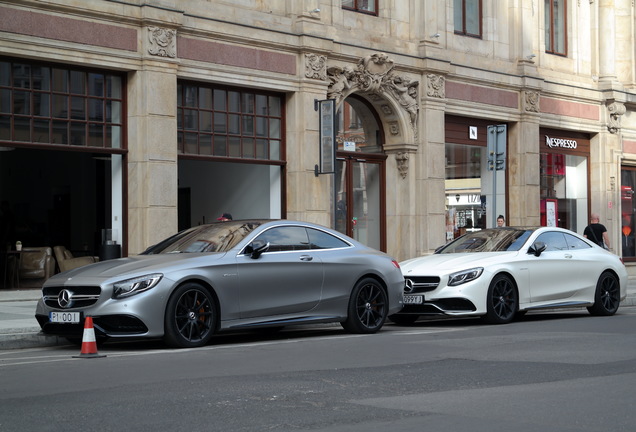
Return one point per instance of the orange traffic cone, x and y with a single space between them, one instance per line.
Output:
89 344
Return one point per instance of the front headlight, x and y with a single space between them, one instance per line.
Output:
134 286
464 276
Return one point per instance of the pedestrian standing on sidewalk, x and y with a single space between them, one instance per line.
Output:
597 232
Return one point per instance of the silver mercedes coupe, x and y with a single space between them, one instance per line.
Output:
234 275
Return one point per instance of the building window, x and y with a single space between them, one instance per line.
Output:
467 17
628 212
229 123
555 25
364 6
47 104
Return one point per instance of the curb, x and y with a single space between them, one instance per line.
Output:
29 338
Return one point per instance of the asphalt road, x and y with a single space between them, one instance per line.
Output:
549 372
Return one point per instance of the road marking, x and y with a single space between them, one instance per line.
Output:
66 357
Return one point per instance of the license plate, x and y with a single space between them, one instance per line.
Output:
413 299
64 317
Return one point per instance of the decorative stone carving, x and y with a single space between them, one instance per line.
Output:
374 75
616 110
316 66
531 101
386 109
402 159
435 87
394 128
340 80
163 42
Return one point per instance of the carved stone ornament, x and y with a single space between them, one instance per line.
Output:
394 128
374 74
402 159
531 101
316 66
435 86
163 42
386 109
616 110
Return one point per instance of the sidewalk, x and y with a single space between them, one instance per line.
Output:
20 329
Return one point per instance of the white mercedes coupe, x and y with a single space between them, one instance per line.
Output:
499 273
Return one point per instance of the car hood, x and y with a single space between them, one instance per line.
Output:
453 262
138 265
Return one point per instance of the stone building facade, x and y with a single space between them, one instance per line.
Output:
209 106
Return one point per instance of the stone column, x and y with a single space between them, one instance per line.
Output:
430 170
308 196
607 40
152 157
523 165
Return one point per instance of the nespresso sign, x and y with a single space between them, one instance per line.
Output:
560 143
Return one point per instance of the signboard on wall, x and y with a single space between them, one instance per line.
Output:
327 112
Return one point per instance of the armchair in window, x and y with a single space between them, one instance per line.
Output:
36 263
66 261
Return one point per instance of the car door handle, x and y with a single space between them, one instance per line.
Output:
568 256
306 258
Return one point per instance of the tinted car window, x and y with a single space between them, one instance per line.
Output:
575 242
287 238
555 241
218 237
323 240
489 240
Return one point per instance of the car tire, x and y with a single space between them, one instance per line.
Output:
403 319
368 309
190 318
502 300
607 296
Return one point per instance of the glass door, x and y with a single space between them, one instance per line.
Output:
359 199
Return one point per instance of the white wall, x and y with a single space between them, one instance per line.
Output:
246 191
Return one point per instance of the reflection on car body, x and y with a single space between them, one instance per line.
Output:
502 272
225 276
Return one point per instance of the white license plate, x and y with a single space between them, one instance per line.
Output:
413 299
64 317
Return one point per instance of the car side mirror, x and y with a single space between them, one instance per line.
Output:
537 248
256 249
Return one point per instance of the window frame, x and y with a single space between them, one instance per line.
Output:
357 8
464 31
105 106
190 109
550 37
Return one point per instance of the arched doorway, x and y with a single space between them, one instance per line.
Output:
360 181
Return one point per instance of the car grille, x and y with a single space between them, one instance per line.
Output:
442 306
121 324
420 284
109 325
79 296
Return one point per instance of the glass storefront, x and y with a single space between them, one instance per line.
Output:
564 180
475 195
628 211
465 204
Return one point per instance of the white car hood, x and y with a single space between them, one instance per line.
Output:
437 263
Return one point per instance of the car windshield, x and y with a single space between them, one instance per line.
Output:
216 237
488 240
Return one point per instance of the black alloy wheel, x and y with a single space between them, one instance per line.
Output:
190 317
607 296
502 300
367 309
